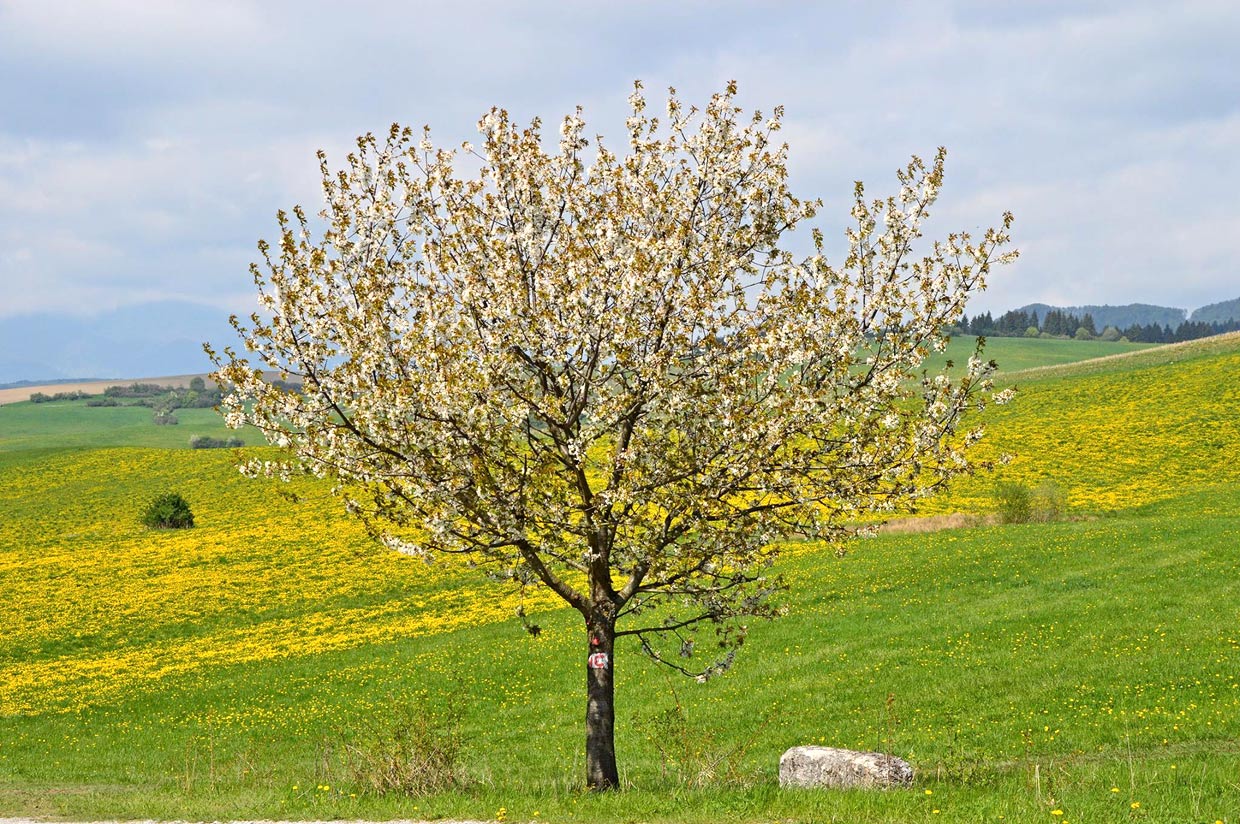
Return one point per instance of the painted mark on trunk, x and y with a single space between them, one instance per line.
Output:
597 660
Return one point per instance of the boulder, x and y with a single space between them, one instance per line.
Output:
832 767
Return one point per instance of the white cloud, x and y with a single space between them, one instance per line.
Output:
128 31
150 144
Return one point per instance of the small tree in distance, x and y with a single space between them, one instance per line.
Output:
603 374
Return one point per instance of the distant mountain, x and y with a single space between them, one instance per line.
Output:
1218 312
1121 317
163 338
47 382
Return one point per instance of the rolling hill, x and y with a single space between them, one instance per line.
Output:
1086 666
1217 312
1121 317
1142 314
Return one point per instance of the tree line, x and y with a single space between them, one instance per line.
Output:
1060 324
43 397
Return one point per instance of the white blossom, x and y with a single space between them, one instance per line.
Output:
606 373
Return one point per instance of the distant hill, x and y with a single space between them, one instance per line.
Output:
1218 312
163 338
35 385
1121 317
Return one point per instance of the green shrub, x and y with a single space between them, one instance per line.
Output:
1018 504
168 511
1047 502
42 397
136 390
207 442
1013 502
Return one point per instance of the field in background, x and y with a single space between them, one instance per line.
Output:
72 424
1016 354
1087 666
16 394
1117 432
57 424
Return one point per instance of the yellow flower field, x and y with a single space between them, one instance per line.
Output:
95 605
1118 440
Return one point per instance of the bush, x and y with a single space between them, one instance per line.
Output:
137 390
165 419
1047 502
207 442
202 400
168 511
103 402
417 754
1013 502
1018 504
42 397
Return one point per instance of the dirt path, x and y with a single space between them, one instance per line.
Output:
153 821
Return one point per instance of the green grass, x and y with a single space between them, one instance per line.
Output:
61 424
1051 657
1016 354
1085 666
1138 357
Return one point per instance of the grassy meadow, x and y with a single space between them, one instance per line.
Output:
1019 354
71 424
1081 670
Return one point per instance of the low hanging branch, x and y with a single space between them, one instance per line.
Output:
600 372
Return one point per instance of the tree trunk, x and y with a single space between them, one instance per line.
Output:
601 771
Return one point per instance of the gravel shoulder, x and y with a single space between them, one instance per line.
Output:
153 821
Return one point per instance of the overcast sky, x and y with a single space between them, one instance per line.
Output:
145 146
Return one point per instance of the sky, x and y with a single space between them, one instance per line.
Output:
145 146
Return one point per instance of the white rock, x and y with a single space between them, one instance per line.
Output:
832 767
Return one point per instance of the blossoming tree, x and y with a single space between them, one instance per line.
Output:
599 371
